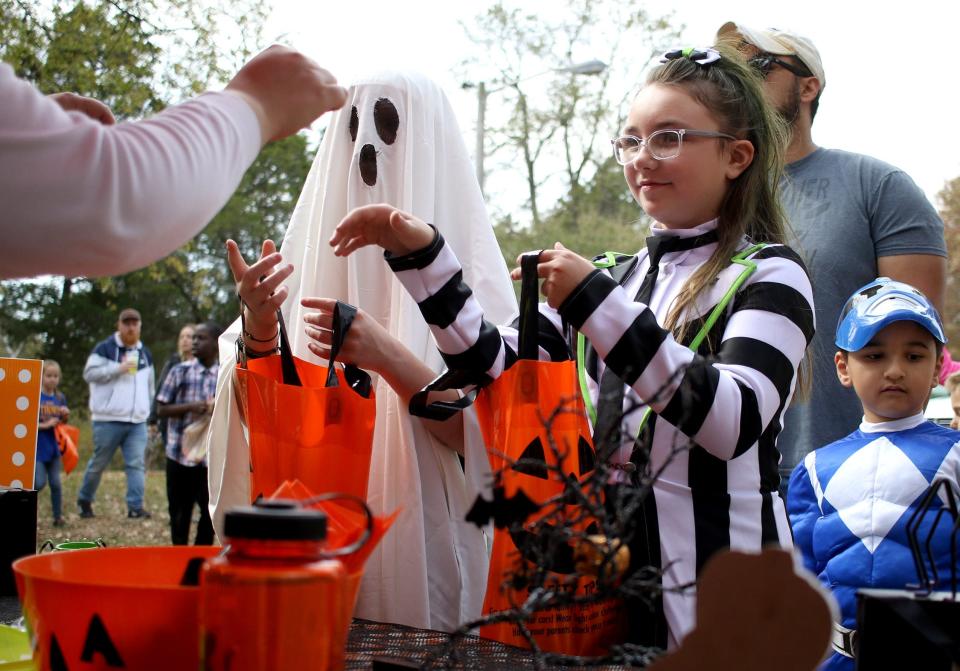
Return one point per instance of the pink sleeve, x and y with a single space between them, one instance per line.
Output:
80 198
949 366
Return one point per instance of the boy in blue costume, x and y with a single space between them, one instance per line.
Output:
849 502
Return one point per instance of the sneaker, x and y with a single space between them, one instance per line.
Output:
138 513
59 521
86 509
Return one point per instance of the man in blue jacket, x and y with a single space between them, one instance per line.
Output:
120 374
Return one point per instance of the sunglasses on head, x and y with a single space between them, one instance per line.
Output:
763 63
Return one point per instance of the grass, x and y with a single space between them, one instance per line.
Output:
111 523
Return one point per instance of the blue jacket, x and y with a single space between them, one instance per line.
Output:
849 504
115 394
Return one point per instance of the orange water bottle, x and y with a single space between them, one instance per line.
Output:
273 600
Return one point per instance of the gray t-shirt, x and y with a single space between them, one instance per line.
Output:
846 211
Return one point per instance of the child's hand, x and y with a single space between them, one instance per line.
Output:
64 412
367 342
397 232
561 270
259 287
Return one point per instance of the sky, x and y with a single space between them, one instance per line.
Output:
891 90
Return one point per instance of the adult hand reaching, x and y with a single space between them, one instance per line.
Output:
287 91
93 108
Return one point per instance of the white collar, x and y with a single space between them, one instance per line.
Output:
893 425
116 337
659 229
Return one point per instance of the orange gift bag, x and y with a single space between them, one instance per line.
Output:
68 440
533 419
307 422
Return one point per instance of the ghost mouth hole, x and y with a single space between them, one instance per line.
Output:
368 164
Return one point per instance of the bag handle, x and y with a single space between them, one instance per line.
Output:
527 345
343 315
368 525
527 348
444 410
356 378
288 368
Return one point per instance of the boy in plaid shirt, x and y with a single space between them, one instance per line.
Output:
186 399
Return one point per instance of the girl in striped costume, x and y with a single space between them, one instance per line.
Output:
702 154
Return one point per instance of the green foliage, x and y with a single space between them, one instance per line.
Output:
599 217
137 55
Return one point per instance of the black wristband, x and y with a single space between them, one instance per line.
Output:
247 334
254 354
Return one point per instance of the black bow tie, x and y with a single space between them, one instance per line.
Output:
610 398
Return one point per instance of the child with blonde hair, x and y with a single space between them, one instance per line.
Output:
53 411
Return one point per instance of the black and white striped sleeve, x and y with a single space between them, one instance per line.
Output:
725 403
434 279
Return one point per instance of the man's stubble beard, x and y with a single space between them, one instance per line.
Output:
789 110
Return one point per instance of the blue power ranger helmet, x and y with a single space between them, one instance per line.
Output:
879 304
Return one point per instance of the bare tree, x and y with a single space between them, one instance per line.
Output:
554 129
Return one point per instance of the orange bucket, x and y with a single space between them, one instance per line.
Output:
113 607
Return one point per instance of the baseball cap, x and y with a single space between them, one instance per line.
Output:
779 43
880 303
129 314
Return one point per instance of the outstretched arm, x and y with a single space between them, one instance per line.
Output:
368 345
119 196
383 225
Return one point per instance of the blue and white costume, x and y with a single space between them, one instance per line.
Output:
849 504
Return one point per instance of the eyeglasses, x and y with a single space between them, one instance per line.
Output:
763 63
661 145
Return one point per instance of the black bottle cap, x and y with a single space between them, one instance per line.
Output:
275 519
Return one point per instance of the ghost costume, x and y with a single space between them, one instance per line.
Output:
395 141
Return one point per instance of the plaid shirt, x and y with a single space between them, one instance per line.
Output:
187 382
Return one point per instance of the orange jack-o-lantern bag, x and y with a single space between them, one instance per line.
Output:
68 442
533 417
308 422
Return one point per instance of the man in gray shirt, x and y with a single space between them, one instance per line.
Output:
855 218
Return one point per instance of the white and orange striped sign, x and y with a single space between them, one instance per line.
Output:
19 409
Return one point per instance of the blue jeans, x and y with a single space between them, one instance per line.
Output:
49 471
132 441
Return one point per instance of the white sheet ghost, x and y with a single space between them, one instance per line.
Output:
395 141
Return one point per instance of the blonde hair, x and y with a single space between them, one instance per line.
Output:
47 363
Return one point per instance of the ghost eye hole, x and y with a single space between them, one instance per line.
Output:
354 123
386 119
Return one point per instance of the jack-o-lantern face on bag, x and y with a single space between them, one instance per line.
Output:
533 548
511 414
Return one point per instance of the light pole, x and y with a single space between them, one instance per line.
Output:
592 67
